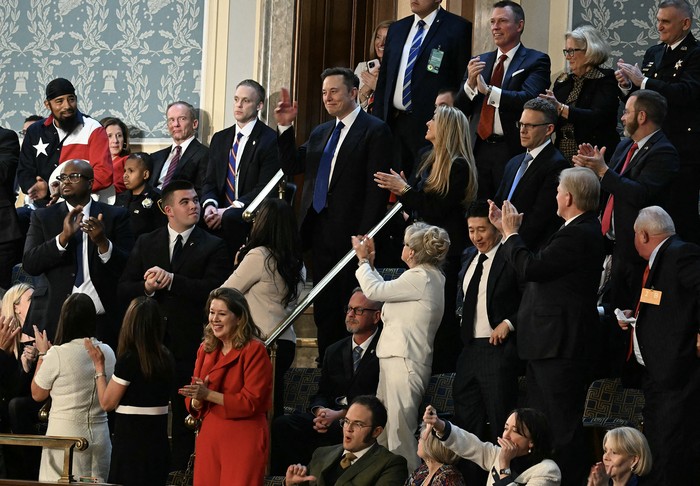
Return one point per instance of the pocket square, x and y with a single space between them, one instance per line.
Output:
516 73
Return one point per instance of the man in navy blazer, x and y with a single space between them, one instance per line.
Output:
439 64
525 75
180 283
349 202
78 228
534 192
558 316
11 235
664 351
485 388
295 436
256 162
194 157
644 181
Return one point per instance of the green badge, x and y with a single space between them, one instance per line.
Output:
435 60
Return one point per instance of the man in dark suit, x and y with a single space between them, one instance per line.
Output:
558 314
485 388
81 246
359 459
672 68
496 86
423 54
347 372
187 158
665 347
11 235
178 265
340 198
242 159
641 172
530 180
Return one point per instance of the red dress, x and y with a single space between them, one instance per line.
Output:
118 173
232 445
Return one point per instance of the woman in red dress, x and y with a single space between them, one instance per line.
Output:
231 392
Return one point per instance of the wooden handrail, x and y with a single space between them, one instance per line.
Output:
65 443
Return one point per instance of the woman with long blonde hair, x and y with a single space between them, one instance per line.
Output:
443 186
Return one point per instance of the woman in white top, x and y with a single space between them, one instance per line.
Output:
413 307
66 373
368 71
269 273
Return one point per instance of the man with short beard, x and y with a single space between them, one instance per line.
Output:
65 135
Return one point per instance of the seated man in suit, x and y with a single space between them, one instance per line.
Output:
485 388
81 246
641 172
496 86
178 265
359 459
558 317
346 373
530 179
242 159
187 158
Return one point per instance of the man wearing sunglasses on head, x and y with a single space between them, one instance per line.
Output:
81 246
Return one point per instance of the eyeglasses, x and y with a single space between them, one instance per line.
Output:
74 177
529 126
351 425
358 311
571 52
22 132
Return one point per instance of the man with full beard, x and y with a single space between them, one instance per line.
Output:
66 134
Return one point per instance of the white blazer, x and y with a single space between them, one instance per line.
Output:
412 311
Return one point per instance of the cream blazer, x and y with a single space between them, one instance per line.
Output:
412 311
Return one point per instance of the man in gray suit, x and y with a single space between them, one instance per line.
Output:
359 459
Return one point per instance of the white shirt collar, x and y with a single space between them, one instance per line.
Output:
185 234
429 19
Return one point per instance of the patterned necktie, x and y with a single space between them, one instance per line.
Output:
488 112
356 357
173 165
347 459
606 222
520 173
177 250
231 172
470 298
324 169
412 55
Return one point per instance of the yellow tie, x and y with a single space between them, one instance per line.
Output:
347 460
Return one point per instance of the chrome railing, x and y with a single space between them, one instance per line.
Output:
318 287
277 180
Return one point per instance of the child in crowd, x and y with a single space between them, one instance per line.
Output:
140 198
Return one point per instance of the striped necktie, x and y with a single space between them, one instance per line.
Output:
231 171
412 55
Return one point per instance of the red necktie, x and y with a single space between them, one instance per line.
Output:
488 112
636 312
606 222
173 165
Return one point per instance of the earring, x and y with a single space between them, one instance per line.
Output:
529 450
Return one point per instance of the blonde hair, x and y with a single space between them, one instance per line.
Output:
452 141
588 37
429 243
236 303
632 442
12 297
434 449
384 24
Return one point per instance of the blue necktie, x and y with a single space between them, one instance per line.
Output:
519 174
324 169
356 357
412 55
79 267
231 172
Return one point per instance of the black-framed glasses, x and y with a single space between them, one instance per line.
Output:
358 311
351 425
529 126
73 178
22 132
571 52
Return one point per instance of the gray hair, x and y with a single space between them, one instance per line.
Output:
588 37
583 185
655 221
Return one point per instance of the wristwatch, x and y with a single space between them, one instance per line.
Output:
505 471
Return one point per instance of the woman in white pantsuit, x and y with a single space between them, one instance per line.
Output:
413 307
